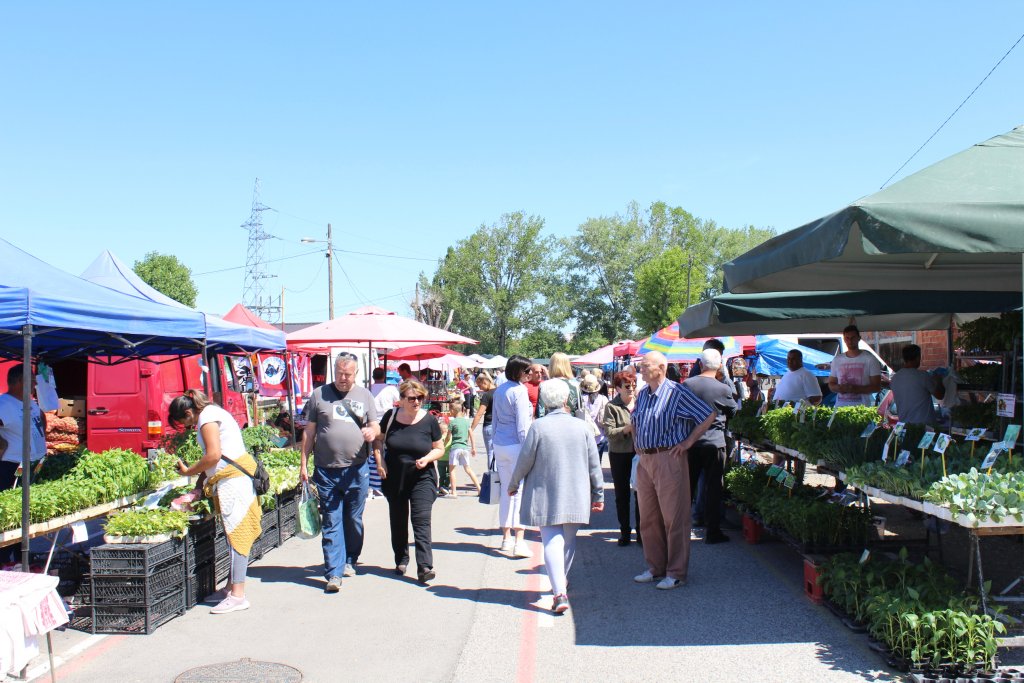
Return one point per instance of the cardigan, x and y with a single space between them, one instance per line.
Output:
561 472
617 418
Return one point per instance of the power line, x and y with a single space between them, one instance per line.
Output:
274 260
954 111
311 282
407 258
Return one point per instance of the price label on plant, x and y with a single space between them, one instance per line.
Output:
1006 405
773 471
899 428
790 482
885 451
941 443
926 440
782 476
993 454
869 429
1010 437
975 434
79 533
865 556
903 458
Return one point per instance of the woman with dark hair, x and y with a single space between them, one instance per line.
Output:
484 415
227 468
618 427
411 438
512 415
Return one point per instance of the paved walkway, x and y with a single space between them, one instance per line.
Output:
742 617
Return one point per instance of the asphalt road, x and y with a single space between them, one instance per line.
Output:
742 617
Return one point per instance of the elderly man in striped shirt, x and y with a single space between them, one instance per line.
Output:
668 419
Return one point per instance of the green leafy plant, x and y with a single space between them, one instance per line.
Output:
147 523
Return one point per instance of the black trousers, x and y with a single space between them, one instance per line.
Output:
621 465
710 460
414 500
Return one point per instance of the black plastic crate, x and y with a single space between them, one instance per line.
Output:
137 618
139 590
222 568
134 559
270 539
202 529
70 567
200 552
199 584
268 520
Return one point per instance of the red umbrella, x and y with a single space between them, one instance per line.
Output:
423 352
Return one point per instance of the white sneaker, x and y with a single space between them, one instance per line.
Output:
522 550
647 577
348 571
230 604
507 544
668 583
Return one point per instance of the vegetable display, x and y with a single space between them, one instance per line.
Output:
147 523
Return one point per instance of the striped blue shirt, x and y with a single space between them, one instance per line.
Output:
665 417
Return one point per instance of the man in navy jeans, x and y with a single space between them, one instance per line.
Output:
343 421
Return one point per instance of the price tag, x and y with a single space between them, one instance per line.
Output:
801 413
790 482
941 443
1010 438
782 476
885 450
79 533
830 420
869 429
975 434
903 458
1006 405
926 440
774 470
865 556
993 454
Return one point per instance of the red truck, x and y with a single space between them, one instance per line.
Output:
125 405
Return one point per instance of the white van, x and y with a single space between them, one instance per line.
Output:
832 344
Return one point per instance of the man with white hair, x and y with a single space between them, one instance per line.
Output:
708 452
667 421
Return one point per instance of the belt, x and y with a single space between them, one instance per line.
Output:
655 451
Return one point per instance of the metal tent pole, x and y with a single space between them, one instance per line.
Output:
26 441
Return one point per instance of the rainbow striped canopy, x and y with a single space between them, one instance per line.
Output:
681 350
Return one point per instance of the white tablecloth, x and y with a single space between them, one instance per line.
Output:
29 607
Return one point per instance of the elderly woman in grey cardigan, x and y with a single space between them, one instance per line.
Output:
562 483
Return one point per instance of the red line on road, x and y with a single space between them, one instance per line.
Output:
89 655
528 638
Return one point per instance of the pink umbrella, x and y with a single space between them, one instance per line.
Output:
601 356
372 325
422 352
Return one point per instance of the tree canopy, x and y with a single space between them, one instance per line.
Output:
169 276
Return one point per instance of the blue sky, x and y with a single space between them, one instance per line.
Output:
136 127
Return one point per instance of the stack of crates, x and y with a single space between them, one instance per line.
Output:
137 588
270 535
287 512
200 561
221 556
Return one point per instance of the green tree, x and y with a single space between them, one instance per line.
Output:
501 282
169 276
661 290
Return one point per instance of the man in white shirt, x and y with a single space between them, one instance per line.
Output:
11 416
855 375
799 383
385 395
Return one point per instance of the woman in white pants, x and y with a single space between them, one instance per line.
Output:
512 414
562 483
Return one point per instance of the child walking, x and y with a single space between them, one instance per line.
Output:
462 445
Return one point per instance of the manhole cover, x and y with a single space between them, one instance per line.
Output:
242 671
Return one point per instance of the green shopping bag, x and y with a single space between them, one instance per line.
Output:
307 522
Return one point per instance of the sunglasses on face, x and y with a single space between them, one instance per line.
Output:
418 399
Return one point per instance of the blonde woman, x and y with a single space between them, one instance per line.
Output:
484 415
560 368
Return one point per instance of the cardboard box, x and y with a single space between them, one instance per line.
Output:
71 407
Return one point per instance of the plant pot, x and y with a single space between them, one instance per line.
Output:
152 538
811 586
752 530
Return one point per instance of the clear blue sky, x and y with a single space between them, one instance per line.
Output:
136 126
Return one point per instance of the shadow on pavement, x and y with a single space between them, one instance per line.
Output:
300 576
497 596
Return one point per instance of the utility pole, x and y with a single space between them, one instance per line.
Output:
330 274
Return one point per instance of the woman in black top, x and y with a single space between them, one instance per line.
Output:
483 415
412 442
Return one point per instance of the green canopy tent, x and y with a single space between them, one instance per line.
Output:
955 225
808 312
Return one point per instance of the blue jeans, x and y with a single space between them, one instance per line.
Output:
489 444
342 499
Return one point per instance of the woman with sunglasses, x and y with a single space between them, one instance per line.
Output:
618 427
411 440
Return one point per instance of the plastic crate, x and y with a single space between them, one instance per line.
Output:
69 567
200 552
199 584
138 590
269 520
222 568
134 559
204 528
137 618
270 539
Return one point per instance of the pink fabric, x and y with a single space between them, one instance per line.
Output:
374 326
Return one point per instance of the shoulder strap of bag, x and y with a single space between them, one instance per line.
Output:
351 414
239 467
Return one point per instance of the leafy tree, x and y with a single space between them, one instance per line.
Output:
169 276
661 290
500 282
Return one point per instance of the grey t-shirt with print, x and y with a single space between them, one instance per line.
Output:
339 439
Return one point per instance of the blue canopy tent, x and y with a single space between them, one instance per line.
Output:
770 357
49 314
222 336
